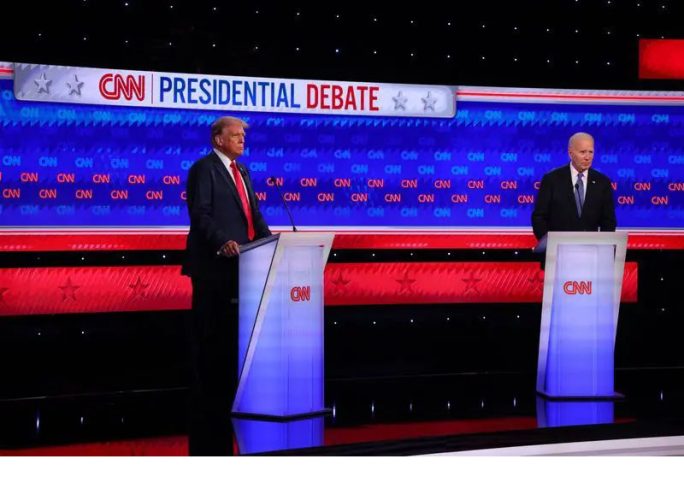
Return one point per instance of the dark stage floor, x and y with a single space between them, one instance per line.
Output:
384 416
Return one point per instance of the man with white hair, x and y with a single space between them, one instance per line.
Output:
573 197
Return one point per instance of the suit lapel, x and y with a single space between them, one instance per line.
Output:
569 189
591 190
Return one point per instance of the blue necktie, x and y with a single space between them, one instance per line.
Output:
579 194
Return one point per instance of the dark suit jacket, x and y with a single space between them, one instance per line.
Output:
555 208
216 216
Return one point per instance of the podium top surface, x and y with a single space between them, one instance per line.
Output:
581 238
292 239
257 243
306 238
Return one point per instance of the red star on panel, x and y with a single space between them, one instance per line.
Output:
340 281
69 290
406 283
138 287
471 283
537 281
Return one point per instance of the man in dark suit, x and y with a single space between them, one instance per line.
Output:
224 214
573 197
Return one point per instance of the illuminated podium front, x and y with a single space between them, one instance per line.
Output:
582 290
280 326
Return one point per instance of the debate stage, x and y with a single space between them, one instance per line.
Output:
405 373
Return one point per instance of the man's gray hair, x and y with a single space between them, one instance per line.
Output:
223 122
577 136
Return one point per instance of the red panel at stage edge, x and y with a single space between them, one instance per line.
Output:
65 290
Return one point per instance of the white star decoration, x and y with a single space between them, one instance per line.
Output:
43 84
428 102
75 86
400 101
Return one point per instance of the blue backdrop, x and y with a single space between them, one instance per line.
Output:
79 165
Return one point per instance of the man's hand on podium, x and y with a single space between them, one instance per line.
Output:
229 249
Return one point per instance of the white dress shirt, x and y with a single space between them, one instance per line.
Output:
226 163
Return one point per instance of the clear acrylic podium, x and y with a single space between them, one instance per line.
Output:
582 289
280 326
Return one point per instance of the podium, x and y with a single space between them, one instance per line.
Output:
582 289
280 326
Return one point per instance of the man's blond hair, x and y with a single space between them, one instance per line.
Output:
223 122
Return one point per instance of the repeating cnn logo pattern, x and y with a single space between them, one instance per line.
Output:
300 294
361 181
113 86
577 287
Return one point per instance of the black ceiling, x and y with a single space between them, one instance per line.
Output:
544 43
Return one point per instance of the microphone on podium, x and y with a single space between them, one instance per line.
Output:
287 209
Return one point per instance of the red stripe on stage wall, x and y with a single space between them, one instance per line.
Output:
93 242
456 241
89 242
444 283
666 240
661 59
65 290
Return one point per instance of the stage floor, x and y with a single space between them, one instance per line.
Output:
490 413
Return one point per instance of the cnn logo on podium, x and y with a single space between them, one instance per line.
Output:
300 293
577 287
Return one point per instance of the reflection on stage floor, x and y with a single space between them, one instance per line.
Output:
384 416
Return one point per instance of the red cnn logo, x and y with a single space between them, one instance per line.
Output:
575 287
300 293
113 86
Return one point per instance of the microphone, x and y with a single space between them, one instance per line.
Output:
287 209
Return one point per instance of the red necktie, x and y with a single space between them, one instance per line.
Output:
243 199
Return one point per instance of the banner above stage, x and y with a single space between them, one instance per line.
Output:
65 84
